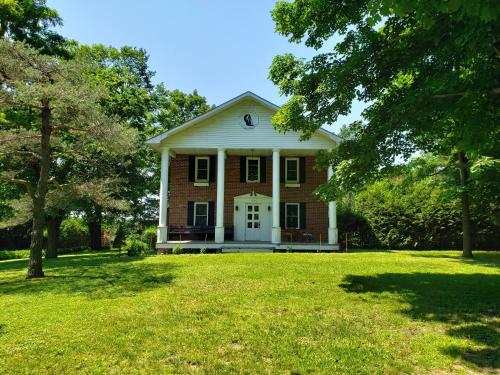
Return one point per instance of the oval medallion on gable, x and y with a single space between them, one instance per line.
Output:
249 120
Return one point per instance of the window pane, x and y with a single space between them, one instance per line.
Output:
256 208
202 163
291 170
202 169
200 221
200 214
249 216
253 170
202 175
249 224
292 216
201 209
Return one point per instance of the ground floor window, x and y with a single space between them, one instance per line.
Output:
292 213
201 214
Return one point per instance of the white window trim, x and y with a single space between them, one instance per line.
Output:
194 213
296 182
258 169
197 181
298 215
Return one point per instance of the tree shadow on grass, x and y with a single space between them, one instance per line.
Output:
64 260
467 303
102 276
489 259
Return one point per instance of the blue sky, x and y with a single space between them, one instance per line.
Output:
219 47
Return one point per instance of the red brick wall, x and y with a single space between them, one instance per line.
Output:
182 191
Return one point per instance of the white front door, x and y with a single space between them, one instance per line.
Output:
253 231
252 217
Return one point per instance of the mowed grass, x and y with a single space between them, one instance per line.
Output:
360 313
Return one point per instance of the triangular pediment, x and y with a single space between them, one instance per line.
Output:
241 123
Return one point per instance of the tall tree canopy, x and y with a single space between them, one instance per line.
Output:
149 108
51 116
31 21
429 71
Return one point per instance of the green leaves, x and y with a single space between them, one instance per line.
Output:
430 73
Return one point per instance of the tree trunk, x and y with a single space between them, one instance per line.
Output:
53 232
35 260
466 221
94 224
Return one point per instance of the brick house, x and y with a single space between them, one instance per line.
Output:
230 180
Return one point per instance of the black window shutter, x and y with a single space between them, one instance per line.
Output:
263 169
282 170
243 169
282 215
213 168
190 213
303 215
192 161
302 170
211 211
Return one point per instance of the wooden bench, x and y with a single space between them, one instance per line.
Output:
188 232
298 235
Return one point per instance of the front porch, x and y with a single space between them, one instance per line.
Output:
246 246
244 211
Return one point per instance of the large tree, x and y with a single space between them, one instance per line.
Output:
31 21
51 114
428 70
133 98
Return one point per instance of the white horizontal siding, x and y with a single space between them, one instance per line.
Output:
224 130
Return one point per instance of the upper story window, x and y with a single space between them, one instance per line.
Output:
202 169
292 170
253 169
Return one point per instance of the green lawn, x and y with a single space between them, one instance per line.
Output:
372 312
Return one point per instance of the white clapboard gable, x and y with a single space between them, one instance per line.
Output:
225 127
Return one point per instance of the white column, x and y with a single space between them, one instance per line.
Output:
333 233
162 225
276 230
219 225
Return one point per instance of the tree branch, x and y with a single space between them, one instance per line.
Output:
23 183
494 91
31 153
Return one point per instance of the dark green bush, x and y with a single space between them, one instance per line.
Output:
120 235
149 236
177 249
134 246
74 233
416 216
